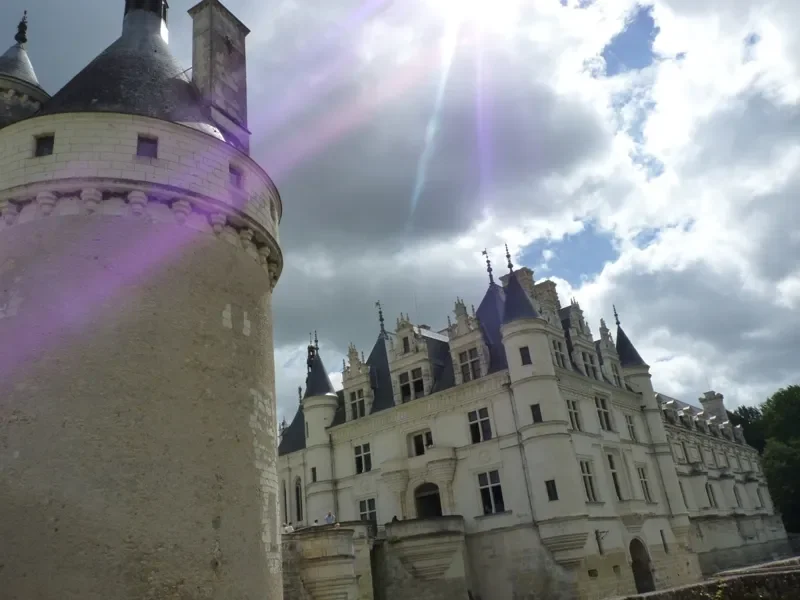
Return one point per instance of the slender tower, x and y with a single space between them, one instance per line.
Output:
138 255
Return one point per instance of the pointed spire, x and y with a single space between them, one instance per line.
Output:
488 266
508 258
517 306
317 382
316 341
344 365
22 29
628 355
299 393
380 318
616 315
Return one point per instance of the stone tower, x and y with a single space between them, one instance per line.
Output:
138 255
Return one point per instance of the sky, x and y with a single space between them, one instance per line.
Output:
639 154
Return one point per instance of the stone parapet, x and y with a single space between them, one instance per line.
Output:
324 562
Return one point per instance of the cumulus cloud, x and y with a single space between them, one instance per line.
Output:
690 164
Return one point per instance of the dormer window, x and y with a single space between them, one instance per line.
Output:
590 365
558 354
406 345
615 374
358 407
411 385
470 365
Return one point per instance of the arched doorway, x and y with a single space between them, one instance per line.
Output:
642 569
428 501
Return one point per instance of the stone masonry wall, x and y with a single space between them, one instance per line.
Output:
731 558
783 585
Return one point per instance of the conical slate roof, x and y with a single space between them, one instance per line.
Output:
318 383
16 63
137 74
518 306
628 355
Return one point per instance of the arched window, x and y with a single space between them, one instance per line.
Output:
298 499
712 499
737 497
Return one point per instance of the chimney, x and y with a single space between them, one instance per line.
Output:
219 68
713 404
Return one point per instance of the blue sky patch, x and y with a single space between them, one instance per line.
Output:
575 257
632 48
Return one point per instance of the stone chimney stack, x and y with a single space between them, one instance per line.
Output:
219 68
712 403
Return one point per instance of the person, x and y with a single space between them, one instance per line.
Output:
395 519
287 528
329 518
316 522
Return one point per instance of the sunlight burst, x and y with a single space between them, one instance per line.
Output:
500 16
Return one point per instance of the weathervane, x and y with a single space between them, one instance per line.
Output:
510 264
380 318
488 266
616 316
22 29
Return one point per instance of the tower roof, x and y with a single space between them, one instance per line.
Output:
317 383
15 61
518 306
137 74
628 355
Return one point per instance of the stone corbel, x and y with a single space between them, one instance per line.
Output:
138 201
246 237
46 201
218 221
10 213
181 208
91 199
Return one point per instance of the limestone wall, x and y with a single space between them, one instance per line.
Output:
781 585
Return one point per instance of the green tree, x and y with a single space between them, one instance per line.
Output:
781 464
781 415
751 420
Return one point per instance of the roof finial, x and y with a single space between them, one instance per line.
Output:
22 29
488 266
316 341
508 257
380 318
300 393
344 366
616 316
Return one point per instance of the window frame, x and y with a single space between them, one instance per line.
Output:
616 375
426 438
711 495
588 479
236 176
497 505
481 423
144 144
363 458
358 406
559 354
313 474
525 356
37 145
574 412
601 404
631 425
590 365
536 413
613 470
367 507
644 482
469 364
552 490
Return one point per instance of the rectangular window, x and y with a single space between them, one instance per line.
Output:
358 408
236 177
683 494
760 498
306 429
417 383
558 354
588 481
147 147
645 484
574 415
313 474
525 355
470 365
44 145
367 511
552 490
412 385
406 345
664 542
603 413
590 365
536 413
421 442
736 496
712 498
615 373
612 468
405 388
480 428
631 428
491 493
363 459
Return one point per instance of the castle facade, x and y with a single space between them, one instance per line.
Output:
513 455
138 254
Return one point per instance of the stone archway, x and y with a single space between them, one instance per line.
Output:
428 501
642 567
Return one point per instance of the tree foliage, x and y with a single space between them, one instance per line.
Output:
781 414
781 464
750 418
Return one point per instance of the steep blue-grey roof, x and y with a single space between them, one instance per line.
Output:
517 305
294 436
317 382
628 355
16 63
490 316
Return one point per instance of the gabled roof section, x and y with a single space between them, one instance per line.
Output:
318 383
517 305
628 355
380 378
294 436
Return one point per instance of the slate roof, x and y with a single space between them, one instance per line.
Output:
517 306
138 75
628 356
16 63
294 436
317 382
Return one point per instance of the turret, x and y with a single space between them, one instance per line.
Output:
635 371
319 406
20 92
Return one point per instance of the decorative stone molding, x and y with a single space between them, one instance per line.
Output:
327 566
566 548
427 547
155 205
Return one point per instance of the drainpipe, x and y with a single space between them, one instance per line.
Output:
524 458
333 479
658 467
